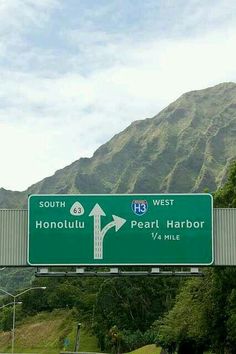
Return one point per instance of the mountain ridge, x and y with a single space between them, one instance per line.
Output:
186 147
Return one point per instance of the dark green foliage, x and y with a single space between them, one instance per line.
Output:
6 317
231 319
186 324
203 316
120 341
132 304
62 293
226 196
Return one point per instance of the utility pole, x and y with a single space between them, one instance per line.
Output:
14 310
77 338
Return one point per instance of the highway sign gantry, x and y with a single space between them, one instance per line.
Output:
150 229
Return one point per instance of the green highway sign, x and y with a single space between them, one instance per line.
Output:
150 229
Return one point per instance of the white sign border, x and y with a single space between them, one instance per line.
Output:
123 264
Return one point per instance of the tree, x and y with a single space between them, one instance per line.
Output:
225 197
131 304
185 327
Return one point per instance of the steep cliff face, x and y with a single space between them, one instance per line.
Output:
187 147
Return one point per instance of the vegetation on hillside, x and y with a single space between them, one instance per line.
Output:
126 308
147 349
48 333
225 197
119 312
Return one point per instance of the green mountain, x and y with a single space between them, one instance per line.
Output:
187 147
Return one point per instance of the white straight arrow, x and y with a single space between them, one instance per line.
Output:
99 234
97 212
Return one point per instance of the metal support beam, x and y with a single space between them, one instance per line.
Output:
116 272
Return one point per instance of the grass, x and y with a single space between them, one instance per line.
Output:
45 334
147 349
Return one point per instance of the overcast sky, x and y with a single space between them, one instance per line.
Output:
75 72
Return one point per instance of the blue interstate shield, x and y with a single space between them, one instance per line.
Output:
139 207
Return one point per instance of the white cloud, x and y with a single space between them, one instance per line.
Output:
23 152
19 18
50 117
17 15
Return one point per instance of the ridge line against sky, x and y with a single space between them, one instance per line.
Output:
76 72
